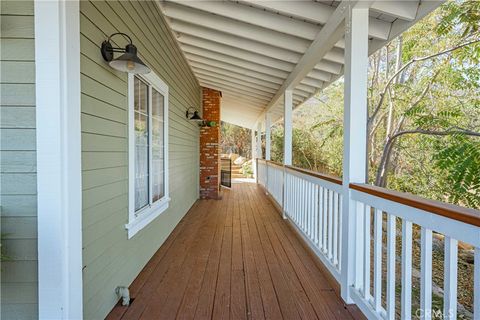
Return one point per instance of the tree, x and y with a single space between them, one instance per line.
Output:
235 139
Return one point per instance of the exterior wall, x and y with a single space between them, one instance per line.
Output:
19 298
210 145
109 258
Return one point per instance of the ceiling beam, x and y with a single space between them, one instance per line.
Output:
184 28
235 93
270 69
243 89
238 73
196 17
248 59
332 31
255 88
254 16
237 52
318 13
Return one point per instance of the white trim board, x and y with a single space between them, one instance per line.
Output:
59 192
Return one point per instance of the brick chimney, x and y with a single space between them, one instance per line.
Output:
210 146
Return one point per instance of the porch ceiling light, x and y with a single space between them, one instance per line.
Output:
128 61
193 115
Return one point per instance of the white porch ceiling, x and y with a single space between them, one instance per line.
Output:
254 50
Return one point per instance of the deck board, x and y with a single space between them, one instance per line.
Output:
233 259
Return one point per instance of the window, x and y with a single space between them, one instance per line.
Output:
148 150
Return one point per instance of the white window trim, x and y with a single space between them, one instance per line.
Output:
137 222
59 177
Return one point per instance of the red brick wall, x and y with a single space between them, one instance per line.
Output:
210 146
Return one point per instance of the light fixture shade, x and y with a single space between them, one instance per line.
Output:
130 62
195 117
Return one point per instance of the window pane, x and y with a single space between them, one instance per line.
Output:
158 160
141 144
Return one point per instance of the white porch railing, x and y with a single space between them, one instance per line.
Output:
313 204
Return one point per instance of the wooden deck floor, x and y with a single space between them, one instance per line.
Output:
235 258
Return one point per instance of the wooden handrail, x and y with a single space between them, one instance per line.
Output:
322 176
275 163
466 215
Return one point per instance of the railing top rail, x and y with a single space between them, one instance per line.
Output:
322 176
275 163
261 160
466 215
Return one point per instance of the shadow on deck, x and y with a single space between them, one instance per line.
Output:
234 258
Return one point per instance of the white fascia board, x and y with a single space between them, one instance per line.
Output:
405 10
318 13
400 26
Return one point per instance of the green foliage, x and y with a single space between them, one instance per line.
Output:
247 168
459 16
460 164
235 139
435 94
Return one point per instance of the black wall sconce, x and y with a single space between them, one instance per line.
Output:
192 115
128 61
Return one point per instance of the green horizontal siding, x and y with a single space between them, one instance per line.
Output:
18 183
109 258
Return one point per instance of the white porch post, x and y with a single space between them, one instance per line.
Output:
287 141
268 143
355 133
259 141
287 125
59 190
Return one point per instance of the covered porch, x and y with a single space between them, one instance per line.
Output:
234 258
119 170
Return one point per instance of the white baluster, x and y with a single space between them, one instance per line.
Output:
325 216
312 211
330 223
309 210
391 255
340 238
450 279
366 259
426 274
359 244
335 229
476 284
377 256
320 218
406 269
316 213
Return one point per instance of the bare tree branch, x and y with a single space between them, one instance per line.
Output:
394 76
